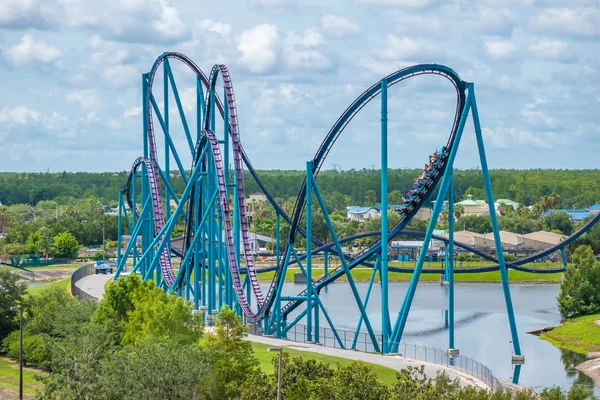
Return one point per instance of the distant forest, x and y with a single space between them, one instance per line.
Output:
575 188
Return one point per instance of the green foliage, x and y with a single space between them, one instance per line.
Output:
229 355
35 348
76 364
581 334
65 245
579 293
516 224
11 294
559 221
52 314
474 223
177 372
136 310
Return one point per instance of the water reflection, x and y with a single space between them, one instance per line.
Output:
481 329
570 360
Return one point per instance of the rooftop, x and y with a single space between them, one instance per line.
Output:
470 202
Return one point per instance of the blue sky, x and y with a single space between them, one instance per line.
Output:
72 70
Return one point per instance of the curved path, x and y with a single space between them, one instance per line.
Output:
94 286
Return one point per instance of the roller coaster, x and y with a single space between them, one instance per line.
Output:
213 265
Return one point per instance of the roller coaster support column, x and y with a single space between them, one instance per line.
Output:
439 202
277 225
383 275
494 220
167 176
120 226
446 280
564 257
309 283
451 349
146 228
344 263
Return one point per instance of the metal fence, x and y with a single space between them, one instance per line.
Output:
77 275
327 337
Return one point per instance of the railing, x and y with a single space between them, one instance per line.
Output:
411 351
76 291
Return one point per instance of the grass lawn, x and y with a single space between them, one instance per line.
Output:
57 266
579 334
9 377
364 274
386 375
64 283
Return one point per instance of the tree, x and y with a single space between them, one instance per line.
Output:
33 242
46 242
76 364
558 221
474 223
579 293
459 210
65 245
11 294
230 356
516 224
178 372
370 198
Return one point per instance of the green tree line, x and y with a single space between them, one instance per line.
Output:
575 188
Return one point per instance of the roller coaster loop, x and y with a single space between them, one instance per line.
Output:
212 263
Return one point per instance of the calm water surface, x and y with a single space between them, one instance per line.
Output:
482 330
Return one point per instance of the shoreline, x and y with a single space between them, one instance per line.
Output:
526 282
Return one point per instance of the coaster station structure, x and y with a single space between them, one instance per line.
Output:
212 265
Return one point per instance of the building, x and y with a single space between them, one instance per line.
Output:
577 215
258 243
360 214
474 207
510 241
357 213
508 202
258 196
546 237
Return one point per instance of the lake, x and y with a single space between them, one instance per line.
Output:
481 329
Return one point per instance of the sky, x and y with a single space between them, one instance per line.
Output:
71 78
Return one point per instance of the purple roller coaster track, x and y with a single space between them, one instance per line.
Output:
215 266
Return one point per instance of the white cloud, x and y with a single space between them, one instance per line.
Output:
269 3
132 112
515 138
24 13
551 49
119 75
259 46
31 51
584 21
405 48
535 116
500 49
338 26
87 98
221 28
398 3
19 115
302 51
168 22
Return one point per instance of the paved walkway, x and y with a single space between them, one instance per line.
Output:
94 284
393 362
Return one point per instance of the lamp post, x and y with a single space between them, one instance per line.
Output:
20 308
280 350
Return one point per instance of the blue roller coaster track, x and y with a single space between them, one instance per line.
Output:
214 264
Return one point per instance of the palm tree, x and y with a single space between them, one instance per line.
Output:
459 210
